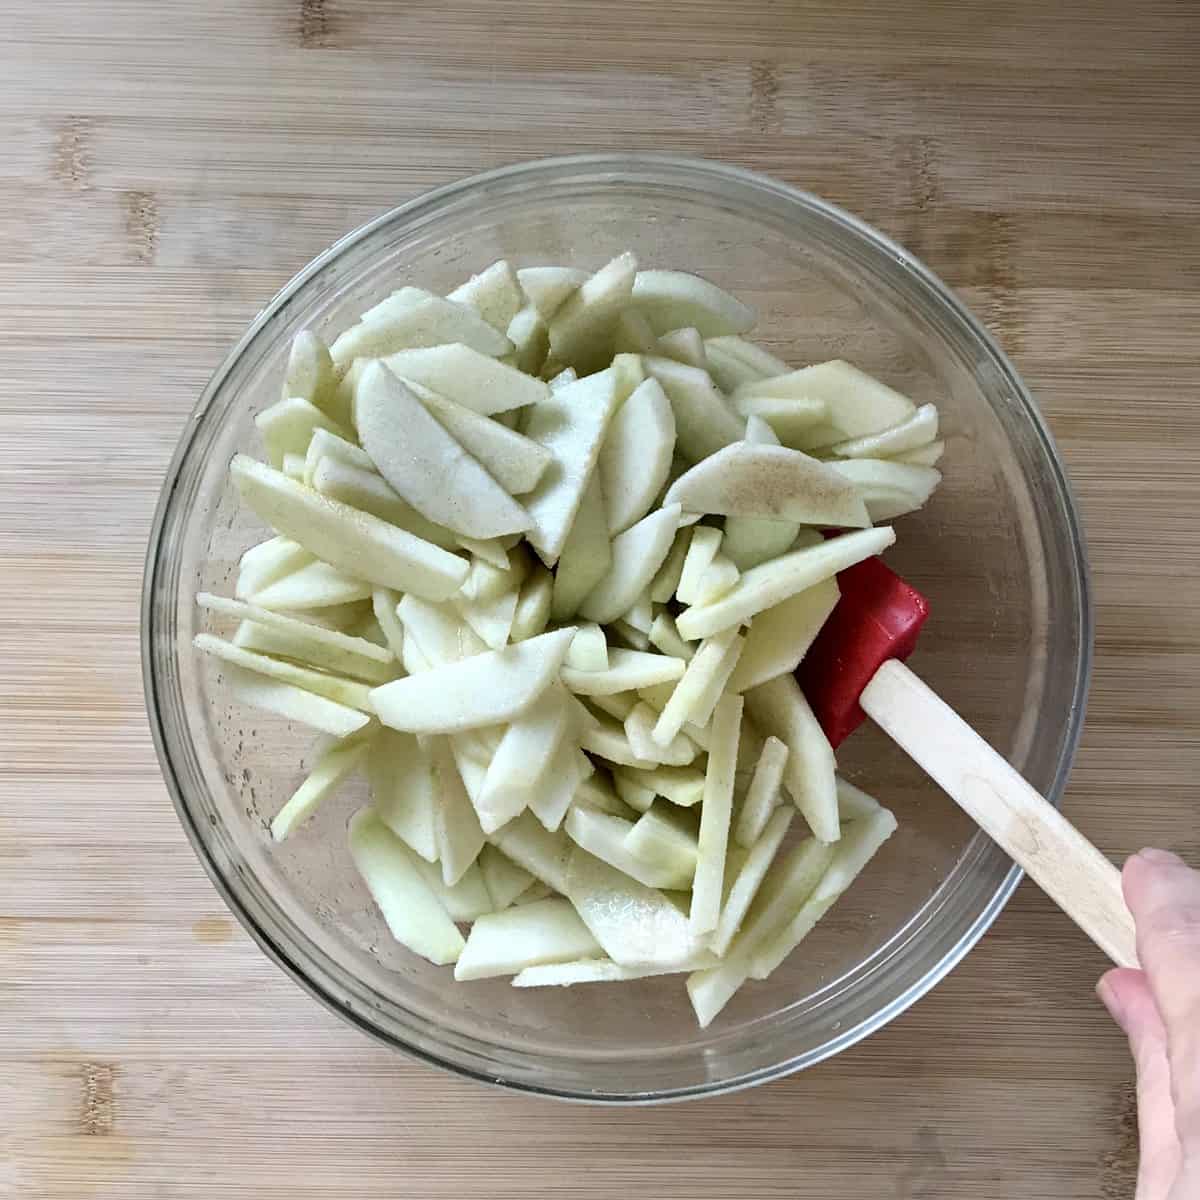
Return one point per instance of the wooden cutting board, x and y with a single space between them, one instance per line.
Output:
166 166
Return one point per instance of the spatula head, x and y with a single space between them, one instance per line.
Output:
878 617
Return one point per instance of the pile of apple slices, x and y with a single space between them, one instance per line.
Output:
547 552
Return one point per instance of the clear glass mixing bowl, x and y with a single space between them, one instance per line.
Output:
998 551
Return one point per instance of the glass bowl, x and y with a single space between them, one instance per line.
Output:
998 551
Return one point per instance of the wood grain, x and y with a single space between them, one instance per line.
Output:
167 166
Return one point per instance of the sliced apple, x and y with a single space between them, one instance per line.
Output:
549 287
315 585
627 671
571 425
533 605
771 583
403 790
467 378
604 836
634 794
636 456
639 730
383 606
586 554
662 587
525 751
674 299
926 456
551 798
600 970
635 336
530 340
309 371
853 803
681 785
911 434
748 878
794 420
429 321
291 702
763 794
589 649
780 709
753 480
534 848
505 943
414 915
861 842
269 561
494 293
704 421
716 814
637 554
702 549
504 880
685 346
666 836
889 489
456 826
356 542
486 689
416 455
581 331
635 924
665 637
441 634
719 578
328 771
608 740
780 637
287 426
326 444
749 354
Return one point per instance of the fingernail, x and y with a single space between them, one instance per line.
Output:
1162 858
1108 997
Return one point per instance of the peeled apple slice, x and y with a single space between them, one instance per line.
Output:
291 702
627 671
430 321
403 790
605 837
287 426
926 456
635 459
779 638
314 585
889 489
753 357
329 770
426 465
637 555
356 542
504 880
763 794
548 287
486 689
309 371
599 970
504 943
268 562
581 331
465 377
413 913
704 422
325 444
748 878
456 826
494 293
674 299
716 814
535 849
568 769
438 632
636 925
586 554
685 346
754 480
571 425
918 430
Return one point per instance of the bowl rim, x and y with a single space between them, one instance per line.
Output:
616 163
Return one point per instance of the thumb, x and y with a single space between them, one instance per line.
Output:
1126 994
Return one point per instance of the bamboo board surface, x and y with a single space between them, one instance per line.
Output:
166 166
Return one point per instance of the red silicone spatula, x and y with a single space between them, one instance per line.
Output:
854 669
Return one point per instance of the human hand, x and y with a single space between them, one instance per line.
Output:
1159 1010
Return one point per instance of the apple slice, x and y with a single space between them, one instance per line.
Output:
719 578
467 378
309 371
634 794
889 489
609 740
683 786
525 751
383 606
286 427
771 583
911 434
315 585
763 794
667 836
328 771
586 554
685 346
600 970
293 466
533 605
753 480
349 692
549 287
639 732
530 339
571 425
326 444
627 671
662 587
859 845
786 887
635 459
430 321
697 681
486 689
467 900
702 549
513 461
403 790
637 555
426 465
780 709
716 814
456 828
635 336
853 803
441 635
751 356
926 456
551 798
780 637
674 299
359 544
495 294
748 879
794 420
291 702
589 649
505 943
635 924
269 561
704 422
504 880
324 648
535 849
604 836
491 619
665 637
581 331
414 915
857 404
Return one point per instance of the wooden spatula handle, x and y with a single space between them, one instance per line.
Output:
1072 872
